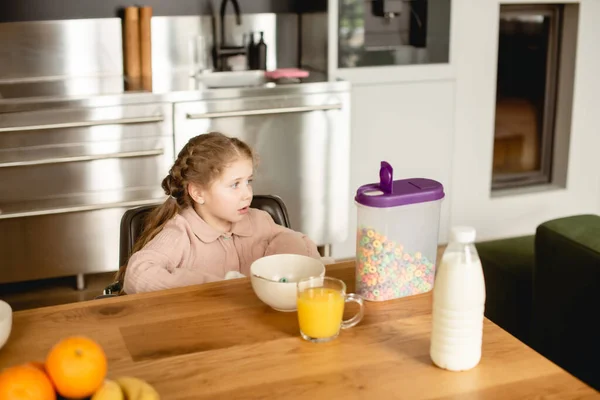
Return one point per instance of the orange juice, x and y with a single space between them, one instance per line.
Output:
320 312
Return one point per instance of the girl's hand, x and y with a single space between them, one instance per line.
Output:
234 275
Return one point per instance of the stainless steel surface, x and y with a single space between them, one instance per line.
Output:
266 111
39 183
60 160
171 38
78 149
52 244
64 189
171 42
69 48
231 79
169 88
179 87
94 117
82 58
151 145
56 245
304 154
65 87
90 206
70 212
81 124
270 24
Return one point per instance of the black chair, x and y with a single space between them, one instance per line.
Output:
132 224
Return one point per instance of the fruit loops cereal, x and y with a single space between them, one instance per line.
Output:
385 271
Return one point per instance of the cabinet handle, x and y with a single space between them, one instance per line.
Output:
266 111
83 124
60 160
81 208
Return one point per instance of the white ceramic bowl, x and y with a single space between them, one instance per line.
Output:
5 322
274 278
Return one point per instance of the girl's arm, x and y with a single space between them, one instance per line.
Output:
287 241
159 266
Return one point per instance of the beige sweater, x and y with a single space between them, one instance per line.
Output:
188 251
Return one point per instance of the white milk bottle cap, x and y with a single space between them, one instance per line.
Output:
463 234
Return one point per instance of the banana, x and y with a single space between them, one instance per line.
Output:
137 389
109 390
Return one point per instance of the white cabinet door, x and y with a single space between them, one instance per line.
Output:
303 146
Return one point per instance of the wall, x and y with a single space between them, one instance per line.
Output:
475 64
438 121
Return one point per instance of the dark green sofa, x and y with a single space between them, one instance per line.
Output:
545 290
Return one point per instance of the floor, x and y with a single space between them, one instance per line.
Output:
50 292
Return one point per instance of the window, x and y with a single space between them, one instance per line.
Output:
532 47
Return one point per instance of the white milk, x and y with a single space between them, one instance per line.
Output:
458 305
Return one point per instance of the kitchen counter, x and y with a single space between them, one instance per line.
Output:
76 153
172 87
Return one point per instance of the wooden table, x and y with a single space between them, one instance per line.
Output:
218 341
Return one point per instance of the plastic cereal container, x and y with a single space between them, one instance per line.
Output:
397 236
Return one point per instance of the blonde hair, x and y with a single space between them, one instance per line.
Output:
201 161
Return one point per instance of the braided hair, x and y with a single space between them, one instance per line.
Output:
201 161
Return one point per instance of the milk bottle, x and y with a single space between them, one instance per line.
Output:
458 304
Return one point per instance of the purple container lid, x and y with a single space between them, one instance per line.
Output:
391 193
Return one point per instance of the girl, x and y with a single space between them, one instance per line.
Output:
206 229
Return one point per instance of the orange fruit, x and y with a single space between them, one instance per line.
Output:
77 366
37 364
25 382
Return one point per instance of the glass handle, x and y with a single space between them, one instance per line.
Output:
361 311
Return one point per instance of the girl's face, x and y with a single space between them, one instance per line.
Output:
227 199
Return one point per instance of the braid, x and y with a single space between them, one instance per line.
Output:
175 184
201 161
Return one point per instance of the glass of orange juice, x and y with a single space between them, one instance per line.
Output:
321 303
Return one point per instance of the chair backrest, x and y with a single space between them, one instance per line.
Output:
132 222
